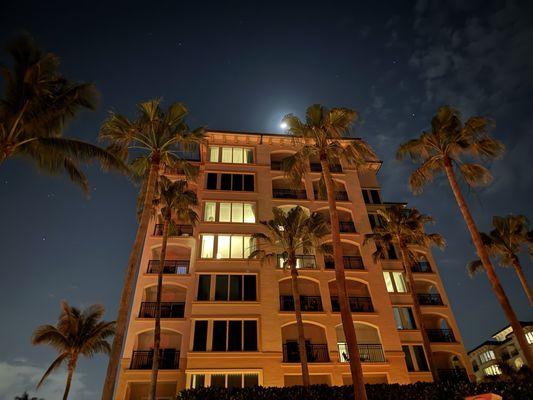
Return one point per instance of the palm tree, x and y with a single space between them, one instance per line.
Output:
176 201
320 137
36 104
26 396
290 233
443 150
405 227
156 138
76 333
505 241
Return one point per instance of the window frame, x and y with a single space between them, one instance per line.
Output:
215 248
213 284
218 208
232 181
392 279
210 329
220 148
207 374
402 316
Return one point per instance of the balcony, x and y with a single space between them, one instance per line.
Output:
347 227
174 267
349 262
429 299
275 165
357 304
315 353
307 303
177 230
168 359
367 353
452 374
302 261
334 168
289 194
421 266
340 195
168 309
441 335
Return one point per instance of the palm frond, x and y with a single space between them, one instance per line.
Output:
474 267
55 364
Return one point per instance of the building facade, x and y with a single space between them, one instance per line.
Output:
229 321
502 348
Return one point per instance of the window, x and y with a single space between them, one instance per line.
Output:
395 282
375 220
197 381
235 155
408 359
234 182
225 380
404 318
492 370
233 287
204 286
234 336
529 337
419 357
200 336
487 356
226 246
210 210
371 196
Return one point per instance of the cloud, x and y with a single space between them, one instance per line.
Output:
17 378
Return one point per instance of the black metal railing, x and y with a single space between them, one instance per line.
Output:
168 359
289 194
175 267
347 226
429 299
357 304
452 374
340 195
307 303
421 266
367 353
440 335
317 167
350 262
176 230
168 309
307 261
315 353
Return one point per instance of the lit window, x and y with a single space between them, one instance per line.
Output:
223 250
236 212
198 381
235 155
388 282
213 154
238 155
208 244
210 211
227 156
225 380
529 337
492 370
395 282
237 246
487 356
227 246
249 213
225 212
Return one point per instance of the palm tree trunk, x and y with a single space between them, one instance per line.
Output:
71 367
340 277
299 322
127 288
489 268
418 313
157 330
523 280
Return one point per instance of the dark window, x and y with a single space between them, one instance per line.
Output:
420 358
250 336
237 182
251 380
219 336
225 182
211 181
204 284
375 196
372 219
200 336
235 288
235 336
218 380
249 183
408 359
391 253
249 288
365 197
221 288
199 381
234 380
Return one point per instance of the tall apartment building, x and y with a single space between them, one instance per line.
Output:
501 348
229 320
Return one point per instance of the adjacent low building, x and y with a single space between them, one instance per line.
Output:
502 348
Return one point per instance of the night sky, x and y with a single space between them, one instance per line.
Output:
242 66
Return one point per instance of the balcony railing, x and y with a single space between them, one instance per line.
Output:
317 167
168 309
421 266
315 353
357 304
177 230
452 374
440 335
307 261
340 195
289 194
429 299
350 262
307 303
367 352
347 226
175 267
168 359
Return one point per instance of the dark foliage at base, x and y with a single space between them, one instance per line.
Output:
514 390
